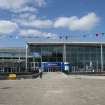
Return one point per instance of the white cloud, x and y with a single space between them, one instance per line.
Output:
26 17
32 21
29 32
12 4
7 27
25 9
39 23
42 23
40 3
21 5
74 23
33 32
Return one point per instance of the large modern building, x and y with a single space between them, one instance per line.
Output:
80 56
54 55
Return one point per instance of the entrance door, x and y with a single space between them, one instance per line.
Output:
50 69
52 66
53 69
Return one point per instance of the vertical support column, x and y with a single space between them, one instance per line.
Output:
34 65
97 56
41 57
64 52
26 55
97 65
19 63
101 57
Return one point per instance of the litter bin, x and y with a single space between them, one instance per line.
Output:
12 77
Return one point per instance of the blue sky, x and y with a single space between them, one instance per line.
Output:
21 19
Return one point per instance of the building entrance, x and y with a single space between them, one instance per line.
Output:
47 66
52 69
52 66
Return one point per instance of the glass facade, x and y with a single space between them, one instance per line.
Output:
44 53
85 58
12 60
47 53
82 58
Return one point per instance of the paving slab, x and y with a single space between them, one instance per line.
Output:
53 89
